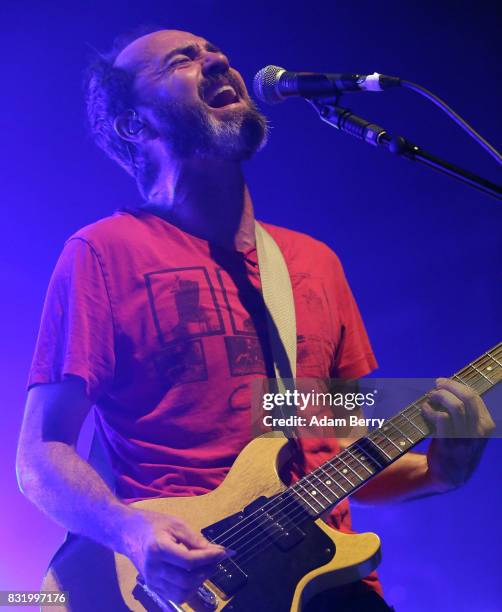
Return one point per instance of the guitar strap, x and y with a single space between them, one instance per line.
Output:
278 297
281 324
281 318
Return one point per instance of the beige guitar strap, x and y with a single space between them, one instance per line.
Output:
281 319
278 298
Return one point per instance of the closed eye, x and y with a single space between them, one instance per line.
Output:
178 60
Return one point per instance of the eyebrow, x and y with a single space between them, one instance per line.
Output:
191 48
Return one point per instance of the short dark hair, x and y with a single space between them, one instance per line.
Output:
108 93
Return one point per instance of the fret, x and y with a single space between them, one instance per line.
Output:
304 502
494 358
460 379
345 469
355 464
412 423
310 489
374 443
494 371
333 481
311 497
329 481
380 432
480 372
390 422
359 460
290 504
400 444
477 381
491 372
417 417
334 468
369 454
342 473
406 426
313 474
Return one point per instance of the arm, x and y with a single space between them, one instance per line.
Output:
64 486
50 472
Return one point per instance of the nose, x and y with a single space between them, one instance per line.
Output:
215 62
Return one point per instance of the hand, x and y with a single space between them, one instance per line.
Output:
461 426
172 559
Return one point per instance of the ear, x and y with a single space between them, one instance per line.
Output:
129 126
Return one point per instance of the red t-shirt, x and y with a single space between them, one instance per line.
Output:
167 331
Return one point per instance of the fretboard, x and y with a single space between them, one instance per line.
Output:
343 474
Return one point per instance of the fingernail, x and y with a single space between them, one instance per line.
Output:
230 552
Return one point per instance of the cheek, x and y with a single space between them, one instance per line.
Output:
180 85
240 80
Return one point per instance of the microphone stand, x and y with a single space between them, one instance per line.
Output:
344 120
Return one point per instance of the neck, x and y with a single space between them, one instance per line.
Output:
340 476
207 198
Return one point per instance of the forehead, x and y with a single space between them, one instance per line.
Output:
151 48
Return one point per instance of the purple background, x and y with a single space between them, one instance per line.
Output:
423 254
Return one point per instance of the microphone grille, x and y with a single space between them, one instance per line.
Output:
264 84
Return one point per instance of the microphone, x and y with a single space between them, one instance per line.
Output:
273 84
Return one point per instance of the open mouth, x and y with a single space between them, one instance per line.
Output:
223 96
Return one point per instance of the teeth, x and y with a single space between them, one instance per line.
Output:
221 90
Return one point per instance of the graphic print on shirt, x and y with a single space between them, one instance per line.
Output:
244 356
184 309
244 351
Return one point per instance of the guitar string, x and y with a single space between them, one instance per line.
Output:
297 509
398 415
279 499
357 484
299 513
267 506
351 462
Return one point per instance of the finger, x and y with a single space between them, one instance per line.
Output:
462 391
190 538
197 558
439 421
453 406
477 414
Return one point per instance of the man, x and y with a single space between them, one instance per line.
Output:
155 316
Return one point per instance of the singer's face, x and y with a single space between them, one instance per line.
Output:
190 96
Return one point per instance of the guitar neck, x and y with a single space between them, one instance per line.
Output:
352 468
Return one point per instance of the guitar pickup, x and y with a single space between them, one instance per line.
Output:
279 528
229 577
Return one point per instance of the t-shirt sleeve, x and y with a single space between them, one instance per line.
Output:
354 356
76 336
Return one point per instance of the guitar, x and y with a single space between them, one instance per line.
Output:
285 553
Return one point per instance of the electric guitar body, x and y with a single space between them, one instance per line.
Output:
281 565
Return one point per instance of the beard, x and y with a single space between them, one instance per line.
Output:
191 130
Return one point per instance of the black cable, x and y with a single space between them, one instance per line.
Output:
453 115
